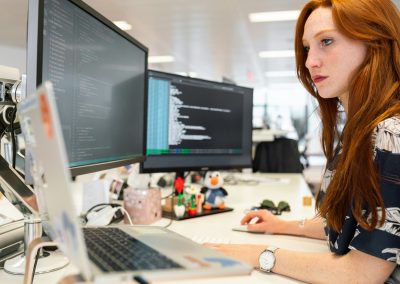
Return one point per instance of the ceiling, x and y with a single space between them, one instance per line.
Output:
213 38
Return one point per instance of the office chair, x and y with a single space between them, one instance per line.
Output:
278 156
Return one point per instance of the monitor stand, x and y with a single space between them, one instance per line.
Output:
178 194
24 199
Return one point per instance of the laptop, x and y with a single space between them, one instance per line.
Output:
90 249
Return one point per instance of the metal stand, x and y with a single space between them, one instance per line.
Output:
47 262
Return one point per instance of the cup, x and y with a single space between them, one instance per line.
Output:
143 205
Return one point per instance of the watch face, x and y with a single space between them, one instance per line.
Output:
267 260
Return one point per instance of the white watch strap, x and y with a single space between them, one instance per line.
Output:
270 249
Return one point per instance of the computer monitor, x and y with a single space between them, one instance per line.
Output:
99 76
195 124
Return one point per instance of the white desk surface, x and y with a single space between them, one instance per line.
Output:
218 228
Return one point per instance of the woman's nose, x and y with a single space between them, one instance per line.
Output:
313 59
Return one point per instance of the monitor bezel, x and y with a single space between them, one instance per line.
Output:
248 164
35 67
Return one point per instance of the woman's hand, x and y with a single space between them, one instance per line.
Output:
266 222
244 252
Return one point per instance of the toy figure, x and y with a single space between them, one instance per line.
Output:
191 199
179 208
213 191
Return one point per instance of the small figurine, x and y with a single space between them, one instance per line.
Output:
199 201
214 193
191 199
179 208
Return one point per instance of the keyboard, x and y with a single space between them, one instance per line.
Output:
111 249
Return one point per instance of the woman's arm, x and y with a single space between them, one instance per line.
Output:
354 267
269 223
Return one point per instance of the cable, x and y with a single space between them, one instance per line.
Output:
172 208
102 204
127 215
169 195
13 139
35 264
116 218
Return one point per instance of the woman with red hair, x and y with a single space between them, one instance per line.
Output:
348 58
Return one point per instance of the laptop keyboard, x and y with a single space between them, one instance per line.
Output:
111 249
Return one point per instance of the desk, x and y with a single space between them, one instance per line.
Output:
218 228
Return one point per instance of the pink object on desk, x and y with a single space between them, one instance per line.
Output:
143 205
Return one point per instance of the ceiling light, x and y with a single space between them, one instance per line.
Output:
274 16
161 59
275 74
123 25
276 53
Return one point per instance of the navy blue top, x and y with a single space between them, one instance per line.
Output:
384 241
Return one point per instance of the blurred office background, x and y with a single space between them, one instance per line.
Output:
219 40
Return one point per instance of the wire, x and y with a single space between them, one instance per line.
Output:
13 139
102 204
84 216
35 264
127 215
172 208
169 195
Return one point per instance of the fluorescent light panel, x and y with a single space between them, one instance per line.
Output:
276 53
161 59
276 16
123 25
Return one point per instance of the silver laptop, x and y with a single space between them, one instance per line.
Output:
182 257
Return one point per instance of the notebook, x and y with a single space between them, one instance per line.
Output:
42 130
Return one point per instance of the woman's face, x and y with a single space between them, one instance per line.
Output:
332 57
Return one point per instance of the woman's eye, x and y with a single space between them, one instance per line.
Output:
326 42
306 49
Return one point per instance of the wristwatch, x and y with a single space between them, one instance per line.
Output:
267 259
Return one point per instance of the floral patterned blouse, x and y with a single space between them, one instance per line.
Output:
384 241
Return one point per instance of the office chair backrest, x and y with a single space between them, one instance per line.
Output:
278 156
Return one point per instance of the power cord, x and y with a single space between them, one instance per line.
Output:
13 138
127 215
169 195
35 264
103 205
172 195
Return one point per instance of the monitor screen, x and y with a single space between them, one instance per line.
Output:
195 124
99 78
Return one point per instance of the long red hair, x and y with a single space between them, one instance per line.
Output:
373 96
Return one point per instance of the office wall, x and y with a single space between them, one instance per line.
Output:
13 57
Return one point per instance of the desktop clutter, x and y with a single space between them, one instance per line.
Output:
121 195
199 197
127 195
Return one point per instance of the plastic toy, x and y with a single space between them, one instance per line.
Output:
179 208
214 193
192 199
